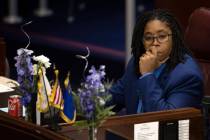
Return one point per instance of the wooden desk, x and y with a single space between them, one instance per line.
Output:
12 128
124 125
119 125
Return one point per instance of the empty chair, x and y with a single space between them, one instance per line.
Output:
198 39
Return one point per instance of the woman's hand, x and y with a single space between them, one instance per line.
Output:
149 61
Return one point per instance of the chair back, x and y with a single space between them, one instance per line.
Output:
198 39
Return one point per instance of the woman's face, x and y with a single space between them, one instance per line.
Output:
158 34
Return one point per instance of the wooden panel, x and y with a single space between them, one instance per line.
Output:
123 125
12 128
195 116
176 114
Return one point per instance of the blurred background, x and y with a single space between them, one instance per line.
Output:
62 29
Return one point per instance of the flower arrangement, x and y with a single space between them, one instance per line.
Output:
27 77
90 100
30 76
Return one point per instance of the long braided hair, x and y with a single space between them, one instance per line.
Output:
179 48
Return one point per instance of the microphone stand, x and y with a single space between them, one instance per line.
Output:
43 10
13 17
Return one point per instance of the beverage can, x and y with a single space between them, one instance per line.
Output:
15 106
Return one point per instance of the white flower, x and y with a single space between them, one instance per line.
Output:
22 50
36 68
43 60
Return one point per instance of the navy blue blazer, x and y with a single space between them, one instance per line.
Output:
181 87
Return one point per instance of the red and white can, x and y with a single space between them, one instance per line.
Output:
15 107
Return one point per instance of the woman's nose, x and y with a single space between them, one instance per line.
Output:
155 41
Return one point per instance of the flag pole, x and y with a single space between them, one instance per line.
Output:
53 125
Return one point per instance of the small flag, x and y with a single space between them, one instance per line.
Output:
56 95
44 90
69 112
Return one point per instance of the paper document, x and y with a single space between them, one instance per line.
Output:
146 131
184 127
8 82
4 89
5 109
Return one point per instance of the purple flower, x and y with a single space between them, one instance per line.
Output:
24 69
90 91
94 80
26 98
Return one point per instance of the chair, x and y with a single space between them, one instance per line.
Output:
198 39
181 9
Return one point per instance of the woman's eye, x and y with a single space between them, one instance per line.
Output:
148 37
162 36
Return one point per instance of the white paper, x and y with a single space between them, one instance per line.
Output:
8 82
5 109
4 88
146 131
184 126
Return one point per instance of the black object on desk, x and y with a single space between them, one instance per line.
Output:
206 111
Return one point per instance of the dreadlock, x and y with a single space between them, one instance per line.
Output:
179 48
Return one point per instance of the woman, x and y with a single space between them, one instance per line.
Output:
161 74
